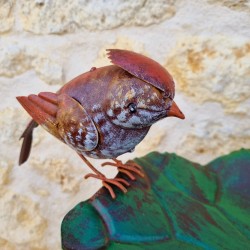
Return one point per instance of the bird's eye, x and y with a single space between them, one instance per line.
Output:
132 107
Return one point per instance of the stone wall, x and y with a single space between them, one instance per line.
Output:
43 44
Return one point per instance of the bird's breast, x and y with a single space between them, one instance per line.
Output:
113 140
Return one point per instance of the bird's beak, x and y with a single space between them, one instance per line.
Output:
175 111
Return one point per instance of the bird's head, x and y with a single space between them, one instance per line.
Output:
143 94
134 103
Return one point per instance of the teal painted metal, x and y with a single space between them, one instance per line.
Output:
179 205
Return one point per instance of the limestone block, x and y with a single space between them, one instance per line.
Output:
153 12
40 191
48 17
6 15
215 138
243 5
12 125
48 70
20 220
60 172
213 69
15 59
6 245
5 169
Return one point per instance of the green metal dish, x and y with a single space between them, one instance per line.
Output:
180 205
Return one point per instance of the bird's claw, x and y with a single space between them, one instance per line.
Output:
119 182
130 168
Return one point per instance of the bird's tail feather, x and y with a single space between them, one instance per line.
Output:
27 141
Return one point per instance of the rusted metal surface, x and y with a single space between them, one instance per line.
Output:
107 111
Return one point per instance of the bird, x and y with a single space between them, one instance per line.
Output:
105 112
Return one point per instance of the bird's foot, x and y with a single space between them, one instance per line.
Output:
130 168
119 182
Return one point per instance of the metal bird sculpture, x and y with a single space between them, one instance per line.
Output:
105 112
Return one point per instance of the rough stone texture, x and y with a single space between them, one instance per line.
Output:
6 168
44 44
48 17
6 245
215 135
58 171
6 15
211 69
16 59
242 5
21 222
10 131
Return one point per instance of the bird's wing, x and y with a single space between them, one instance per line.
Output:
144 68
64 117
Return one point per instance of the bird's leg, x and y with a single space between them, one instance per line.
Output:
119 182
130 168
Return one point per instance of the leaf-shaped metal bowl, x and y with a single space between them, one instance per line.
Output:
179 205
